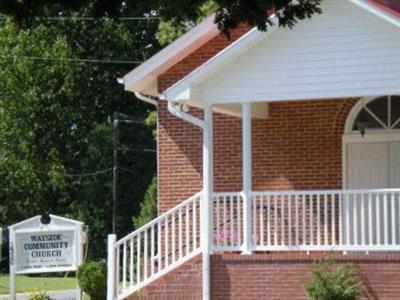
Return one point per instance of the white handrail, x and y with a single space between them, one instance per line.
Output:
148 253
158 219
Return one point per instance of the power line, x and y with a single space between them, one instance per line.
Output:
85 60
128 170
88 174
101 19
96 19
137 150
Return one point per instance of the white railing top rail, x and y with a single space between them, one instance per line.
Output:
227 194
315 192
158 219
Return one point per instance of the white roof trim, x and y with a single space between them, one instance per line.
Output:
376 10
181 90
144 77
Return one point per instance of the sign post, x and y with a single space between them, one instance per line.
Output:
37 247
1 244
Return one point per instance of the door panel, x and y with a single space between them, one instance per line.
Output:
368 165
394 165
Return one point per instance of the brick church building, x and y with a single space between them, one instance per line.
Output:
274 148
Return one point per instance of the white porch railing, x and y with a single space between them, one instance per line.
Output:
341 220
228 221
154 249
330 220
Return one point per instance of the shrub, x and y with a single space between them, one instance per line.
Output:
39 296
92 280
328 283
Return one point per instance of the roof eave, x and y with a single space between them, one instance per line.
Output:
138 79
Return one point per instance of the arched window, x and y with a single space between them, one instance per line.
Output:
375 114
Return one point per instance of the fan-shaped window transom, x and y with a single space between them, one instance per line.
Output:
382 113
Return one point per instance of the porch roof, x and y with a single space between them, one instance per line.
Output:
363 49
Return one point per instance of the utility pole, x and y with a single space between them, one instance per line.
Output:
117 119
115 170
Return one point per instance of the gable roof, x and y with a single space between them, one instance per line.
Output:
144 78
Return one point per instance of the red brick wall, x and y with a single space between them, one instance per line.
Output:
298 147
279 276
179 159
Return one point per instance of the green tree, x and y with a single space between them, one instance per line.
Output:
172 28
54 134
229 13
148 208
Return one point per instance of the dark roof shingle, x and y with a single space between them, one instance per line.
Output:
389 5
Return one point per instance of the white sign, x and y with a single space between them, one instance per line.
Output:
43 248
45 251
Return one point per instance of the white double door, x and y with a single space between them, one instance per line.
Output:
371 165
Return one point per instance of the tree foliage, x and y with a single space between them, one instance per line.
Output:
172 28
229 13
54 134
148 208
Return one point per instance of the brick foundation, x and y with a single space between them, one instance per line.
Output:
279 276
270 277
183 283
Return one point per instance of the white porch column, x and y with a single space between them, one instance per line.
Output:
207 203
247 180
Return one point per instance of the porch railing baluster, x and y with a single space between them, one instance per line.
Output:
363 216
318 219
393 219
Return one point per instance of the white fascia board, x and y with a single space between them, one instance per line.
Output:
66 220
376 10
181 89
259 110
139 78
36 220
24 222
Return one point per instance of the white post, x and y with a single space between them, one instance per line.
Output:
206 222
79 249
247 180
11 239
111 267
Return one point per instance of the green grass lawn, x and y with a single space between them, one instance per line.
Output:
31 284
